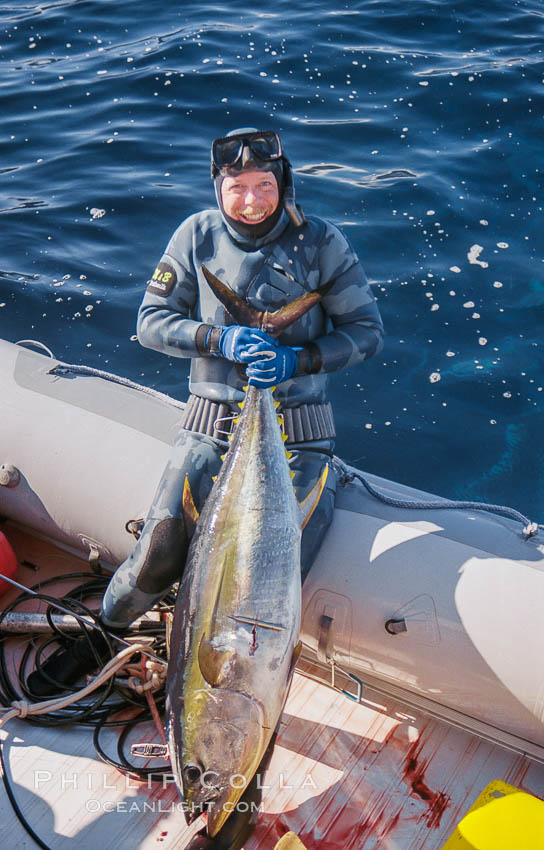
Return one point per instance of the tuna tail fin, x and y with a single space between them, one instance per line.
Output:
309 504
290 841
273 323
242 312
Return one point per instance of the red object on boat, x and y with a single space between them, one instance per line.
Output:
8 563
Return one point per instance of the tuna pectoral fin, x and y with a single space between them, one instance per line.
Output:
309 504
213 662
190 511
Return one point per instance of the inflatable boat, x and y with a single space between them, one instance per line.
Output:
412 601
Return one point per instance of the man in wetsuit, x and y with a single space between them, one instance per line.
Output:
259 244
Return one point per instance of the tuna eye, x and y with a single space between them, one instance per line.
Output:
192 773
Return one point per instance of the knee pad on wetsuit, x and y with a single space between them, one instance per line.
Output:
165 558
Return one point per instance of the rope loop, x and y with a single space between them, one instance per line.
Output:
21 707
347 475
76 369
155 677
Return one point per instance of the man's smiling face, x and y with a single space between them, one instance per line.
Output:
250 197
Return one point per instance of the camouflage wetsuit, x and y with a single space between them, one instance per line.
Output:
344 329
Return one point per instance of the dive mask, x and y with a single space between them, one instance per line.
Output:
229 150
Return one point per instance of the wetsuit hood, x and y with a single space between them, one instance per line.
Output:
271 227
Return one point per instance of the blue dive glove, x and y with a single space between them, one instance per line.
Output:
270 366
235 340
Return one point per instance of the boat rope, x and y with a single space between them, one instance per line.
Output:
75 369
153 676
23 709
27 343
112 702
149 635
160 675
347 474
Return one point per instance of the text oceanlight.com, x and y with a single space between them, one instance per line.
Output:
162 807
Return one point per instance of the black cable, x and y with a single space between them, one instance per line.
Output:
99 711
71 713
15 805
143 772
123 765
69 601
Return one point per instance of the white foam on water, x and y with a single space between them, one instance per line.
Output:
473 255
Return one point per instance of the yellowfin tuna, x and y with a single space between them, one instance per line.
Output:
235 636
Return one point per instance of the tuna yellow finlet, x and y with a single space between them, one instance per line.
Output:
190 510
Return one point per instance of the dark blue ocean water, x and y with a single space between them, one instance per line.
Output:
416 127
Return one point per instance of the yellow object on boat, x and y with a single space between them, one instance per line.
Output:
502 818
290 841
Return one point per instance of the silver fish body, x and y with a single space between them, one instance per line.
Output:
237 619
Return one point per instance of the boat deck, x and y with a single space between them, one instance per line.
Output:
348 775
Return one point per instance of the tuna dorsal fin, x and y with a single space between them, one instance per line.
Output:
213 661
190 511
273 323
309 504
